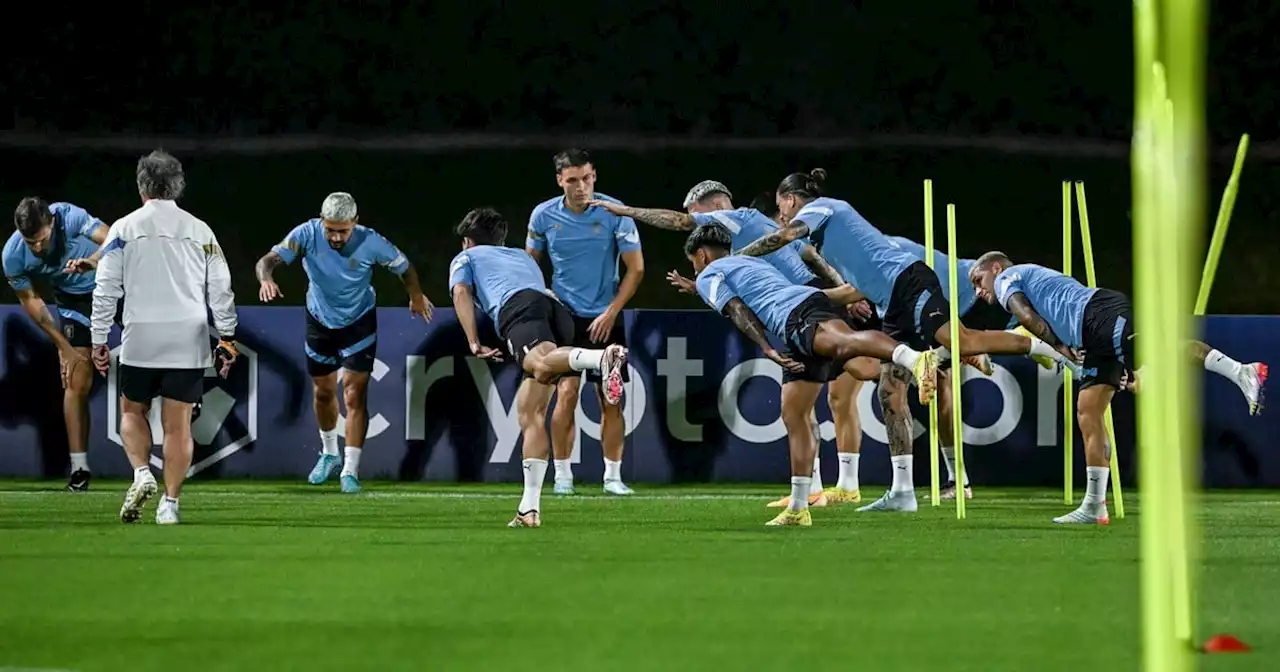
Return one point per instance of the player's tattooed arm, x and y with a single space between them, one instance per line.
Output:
38 311
895 380
266 266
748 323
663 219
419 304
1027 316
776 240
820 267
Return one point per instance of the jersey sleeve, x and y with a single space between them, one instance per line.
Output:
715 290
218 294
813 216
109 287
14 271
388 256
77 221
626 235
295 244
536 239
1008 283
461 272
722 218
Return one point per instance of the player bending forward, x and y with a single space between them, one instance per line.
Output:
1064 312
508 286
338 255
760 300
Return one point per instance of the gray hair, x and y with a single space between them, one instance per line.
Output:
338 207
160 176
704 189
989 258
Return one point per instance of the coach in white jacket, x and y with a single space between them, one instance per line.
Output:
167 266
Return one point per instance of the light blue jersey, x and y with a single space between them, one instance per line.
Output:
746 225
765 290
339 290
864 256
965 296
585 251
495 273
71 238
1059 299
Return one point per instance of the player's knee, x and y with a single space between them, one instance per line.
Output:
325 394
532 418
80 384
891 393
354 396
795 418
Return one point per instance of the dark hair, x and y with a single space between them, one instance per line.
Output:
767 204
713 236
484 226
571 158
992 257
805 185
160 176
31 216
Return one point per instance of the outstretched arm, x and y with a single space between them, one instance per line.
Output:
776 240
749 324
820 267
464 307
419 304
38 311
662 219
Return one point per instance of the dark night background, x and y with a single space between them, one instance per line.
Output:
996 101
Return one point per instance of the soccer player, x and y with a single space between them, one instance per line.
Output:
48 236
338 255
1061 311
710 202
508 286
903 288
169 264
585 244
760 300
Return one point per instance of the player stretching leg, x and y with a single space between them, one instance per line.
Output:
48 236
1060 310
759 300
903 289
710 202
507 284
584 243
338 255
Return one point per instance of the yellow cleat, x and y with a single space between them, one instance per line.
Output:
801 518
926 373
980 362
1044 362
816 500
841 496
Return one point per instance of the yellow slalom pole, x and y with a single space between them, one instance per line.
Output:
1225 207
934 486
1068 389
956 423
1086 240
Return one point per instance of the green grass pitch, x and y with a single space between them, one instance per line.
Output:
275 576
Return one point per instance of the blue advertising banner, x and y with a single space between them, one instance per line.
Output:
703 405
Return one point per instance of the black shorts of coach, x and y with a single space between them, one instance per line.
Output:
582 339
1107 339
141 385
531 317
74 313
801 329
917 307
353 347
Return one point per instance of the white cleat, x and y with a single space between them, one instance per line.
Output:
611 368
167 512
135 498
526 519
1087 514
1252 381
615 487
563 489
893 501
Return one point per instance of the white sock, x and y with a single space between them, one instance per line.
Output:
1042 349
351 465
534 473
1222 365
142 474
943 354
581 359
949 456
816 483
564 471
1095 493
848 471
612 470
329 442
171 501
903 473
905 357
800 492
79 461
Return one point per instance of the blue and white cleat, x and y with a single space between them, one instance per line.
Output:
563 489
904 502
325 467
617 488
350 484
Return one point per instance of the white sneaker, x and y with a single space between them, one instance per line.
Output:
136 497
563 489
893 501
1087 514
616 488
1252 380
167 512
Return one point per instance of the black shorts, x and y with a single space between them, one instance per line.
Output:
530 317
141 385
985 316
872 323
801 328
352 347
74 313
917 307
616 336
1107 339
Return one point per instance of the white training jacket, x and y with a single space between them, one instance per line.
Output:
167 265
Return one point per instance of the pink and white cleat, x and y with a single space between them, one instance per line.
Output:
611 368
1252 381
1087 514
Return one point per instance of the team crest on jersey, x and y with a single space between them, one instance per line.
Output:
68 329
